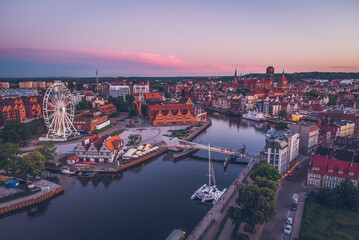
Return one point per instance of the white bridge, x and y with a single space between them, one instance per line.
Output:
179 143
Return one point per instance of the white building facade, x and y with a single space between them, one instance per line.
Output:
119 91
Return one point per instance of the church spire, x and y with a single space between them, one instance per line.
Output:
283 72
235 72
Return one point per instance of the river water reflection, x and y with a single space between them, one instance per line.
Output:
146 202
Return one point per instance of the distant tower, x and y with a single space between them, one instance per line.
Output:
283 83
97 83
270 73
235 78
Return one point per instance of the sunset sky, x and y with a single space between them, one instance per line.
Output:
176 37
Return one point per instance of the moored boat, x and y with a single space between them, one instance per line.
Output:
254 116
68 171
209 193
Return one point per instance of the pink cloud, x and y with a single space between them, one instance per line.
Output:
167 63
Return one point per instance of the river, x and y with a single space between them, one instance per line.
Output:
145 202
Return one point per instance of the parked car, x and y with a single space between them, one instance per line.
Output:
290 221
289 177
293 207
288 229
11 183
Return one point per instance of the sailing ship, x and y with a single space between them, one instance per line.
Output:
209 193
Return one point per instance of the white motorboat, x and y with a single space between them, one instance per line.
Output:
209 192
254 116
68 171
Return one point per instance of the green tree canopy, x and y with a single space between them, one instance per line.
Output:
255 205
144 108
33 163
133 110
265 170
263 182
83 105
281 126
344 196
15 132
48 150
313 94
8 156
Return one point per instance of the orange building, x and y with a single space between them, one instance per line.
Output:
13 109
108 109
175 114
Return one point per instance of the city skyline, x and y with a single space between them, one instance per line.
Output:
180 38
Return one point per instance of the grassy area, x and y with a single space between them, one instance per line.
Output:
118 132
322 222
179 133
104 128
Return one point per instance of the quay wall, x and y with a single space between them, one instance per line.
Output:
193 135
217 213
23 204
142 159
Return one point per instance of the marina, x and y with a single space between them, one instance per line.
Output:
117 196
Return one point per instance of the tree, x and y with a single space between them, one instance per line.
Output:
130 98
15 132
263 182
349 195
8 156
33 163
83 105
48 150
313 94
144 108
332 99
255 205
283 114
133 110
281 126
266 171
344 196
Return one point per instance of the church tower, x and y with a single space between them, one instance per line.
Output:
283 83
235 78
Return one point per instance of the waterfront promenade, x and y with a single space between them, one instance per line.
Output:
207 228
48 189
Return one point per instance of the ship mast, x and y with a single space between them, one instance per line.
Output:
209 165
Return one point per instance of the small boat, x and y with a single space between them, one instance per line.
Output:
68 171
209 192
176 234
254 116
12 183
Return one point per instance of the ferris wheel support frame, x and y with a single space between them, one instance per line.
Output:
58 112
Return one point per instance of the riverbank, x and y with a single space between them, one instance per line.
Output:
207 228
48 190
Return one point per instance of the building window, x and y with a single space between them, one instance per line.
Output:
317 176
340 172
312 175
351 173
330 170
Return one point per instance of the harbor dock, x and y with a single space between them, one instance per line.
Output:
48 190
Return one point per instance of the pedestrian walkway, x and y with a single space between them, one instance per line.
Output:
209 225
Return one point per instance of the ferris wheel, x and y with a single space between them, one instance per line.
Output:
58 111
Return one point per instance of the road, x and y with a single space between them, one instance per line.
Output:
274 229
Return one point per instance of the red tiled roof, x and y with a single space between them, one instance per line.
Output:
74 157
113 142
324 164
107 106
318 108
